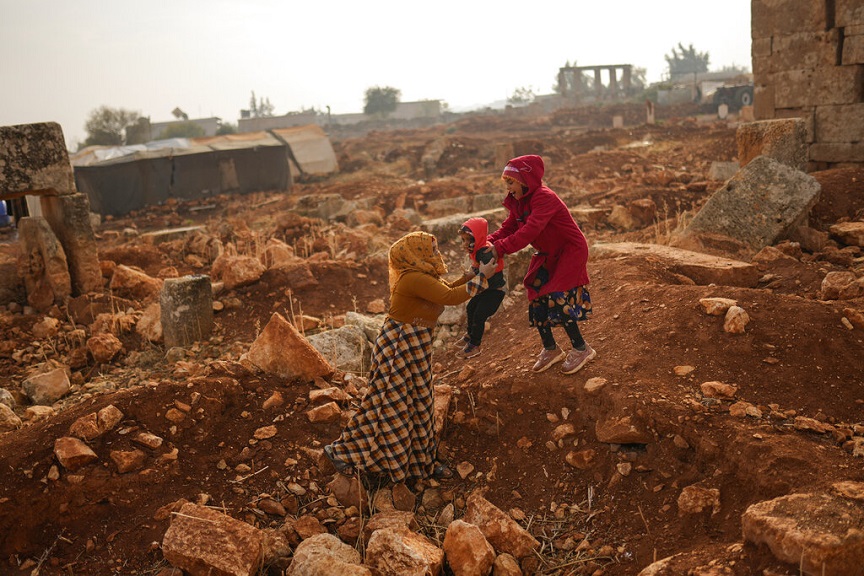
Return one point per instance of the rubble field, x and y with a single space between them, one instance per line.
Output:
658 448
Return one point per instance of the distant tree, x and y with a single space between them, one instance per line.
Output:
260 108
107 126
185 129
684 61
521 96
381 101
638 78
734 69
226 128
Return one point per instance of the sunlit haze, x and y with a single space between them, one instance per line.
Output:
61 59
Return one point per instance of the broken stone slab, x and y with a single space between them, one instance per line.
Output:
42 264
203 541
784 140
442 396
623 430
759 206
703 269
820 532
186 310
134 283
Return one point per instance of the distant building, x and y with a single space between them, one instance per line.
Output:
424 109
210 126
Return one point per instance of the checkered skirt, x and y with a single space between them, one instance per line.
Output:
393 431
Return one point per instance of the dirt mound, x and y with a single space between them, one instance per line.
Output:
546 448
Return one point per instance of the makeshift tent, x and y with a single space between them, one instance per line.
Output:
119 185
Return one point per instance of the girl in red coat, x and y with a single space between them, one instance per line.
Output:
556 282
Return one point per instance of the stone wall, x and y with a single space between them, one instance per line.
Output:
808 62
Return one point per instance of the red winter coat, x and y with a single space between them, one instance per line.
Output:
540 218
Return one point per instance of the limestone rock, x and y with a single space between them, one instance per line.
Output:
396 519
622 430
467 550
326 555
736 320
281 350
47 388
8 419
42 264
72 453
346 348
718 390
103 347
500 530
128 460
392 552
717 306
849 233
203 541
695 499
820 532
134 283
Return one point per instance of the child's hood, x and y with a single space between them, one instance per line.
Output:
531 170
480 230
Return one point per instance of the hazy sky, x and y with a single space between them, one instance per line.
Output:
60 59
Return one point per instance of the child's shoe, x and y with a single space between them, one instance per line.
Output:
470 351
547 358
576 359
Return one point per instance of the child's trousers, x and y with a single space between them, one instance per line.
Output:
479 309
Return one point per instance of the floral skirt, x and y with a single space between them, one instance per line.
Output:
393 433
560 308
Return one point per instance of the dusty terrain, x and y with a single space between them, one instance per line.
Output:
796 358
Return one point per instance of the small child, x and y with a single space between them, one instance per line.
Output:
482 306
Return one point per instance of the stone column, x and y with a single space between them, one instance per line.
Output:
187 310
598 83
626 78
69 217
613 83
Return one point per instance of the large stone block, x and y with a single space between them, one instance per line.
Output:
848 13
844 123
33 159
770 17
760 205
837 152
763 102
783 140
853 50
800 50
818 87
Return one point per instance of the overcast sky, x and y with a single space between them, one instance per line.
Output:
61 59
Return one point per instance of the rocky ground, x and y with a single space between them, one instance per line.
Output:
657 448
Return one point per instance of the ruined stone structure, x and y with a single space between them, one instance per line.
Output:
569 81
34 162
808 62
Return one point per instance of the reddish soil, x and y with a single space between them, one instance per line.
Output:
795 358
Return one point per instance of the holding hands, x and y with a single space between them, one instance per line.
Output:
488 269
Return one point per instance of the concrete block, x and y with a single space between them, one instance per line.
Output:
844 123
782 140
